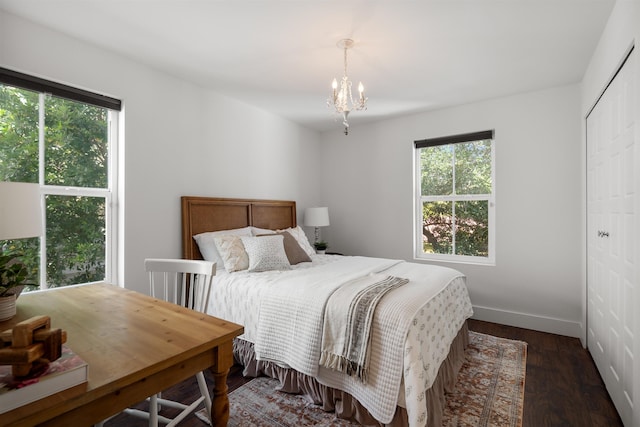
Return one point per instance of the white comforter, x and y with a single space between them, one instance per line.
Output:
414 325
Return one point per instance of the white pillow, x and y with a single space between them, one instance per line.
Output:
232 252
257 231
301 237
266 253
207 244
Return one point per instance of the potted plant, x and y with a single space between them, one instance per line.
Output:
321 247
14 276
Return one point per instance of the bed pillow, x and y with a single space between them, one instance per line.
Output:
232 252
261 231
295 253
301 237
207 244
266 253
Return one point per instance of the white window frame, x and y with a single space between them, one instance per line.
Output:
419 199
110 194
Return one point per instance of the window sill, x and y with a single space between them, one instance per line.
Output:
456 259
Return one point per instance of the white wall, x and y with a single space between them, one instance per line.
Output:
536 282
179 140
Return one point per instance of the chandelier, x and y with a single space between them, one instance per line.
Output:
342 99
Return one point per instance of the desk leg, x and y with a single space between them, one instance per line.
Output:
220 404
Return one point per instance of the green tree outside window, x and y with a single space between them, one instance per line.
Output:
75 161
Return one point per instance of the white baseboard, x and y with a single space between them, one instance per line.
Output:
528 321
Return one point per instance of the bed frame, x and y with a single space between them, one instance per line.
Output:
203 214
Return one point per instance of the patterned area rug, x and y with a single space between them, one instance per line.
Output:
490 388
490 392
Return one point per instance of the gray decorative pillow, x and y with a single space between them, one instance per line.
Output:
295 253
266 253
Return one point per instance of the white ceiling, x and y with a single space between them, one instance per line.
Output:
281 55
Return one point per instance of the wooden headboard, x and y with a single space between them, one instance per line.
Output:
202 214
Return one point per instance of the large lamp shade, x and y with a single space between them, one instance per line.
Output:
316 217
20 210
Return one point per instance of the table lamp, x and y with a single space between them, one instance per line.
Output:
316 217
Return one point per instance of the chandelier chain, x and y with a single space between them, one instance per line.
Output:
345 60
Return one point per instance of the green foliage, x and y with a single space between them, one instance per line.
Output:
437 225
321 246
75 240
76 155
437 170
18 135
473 167
76 144
13 274
472 228
454 226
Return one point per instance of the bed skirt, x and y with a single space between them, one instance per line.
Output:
342 403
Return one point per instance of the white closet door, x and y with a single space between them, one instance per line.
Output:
611 238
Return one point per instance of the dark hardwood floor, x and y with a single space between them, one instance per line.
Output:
562 384
562 387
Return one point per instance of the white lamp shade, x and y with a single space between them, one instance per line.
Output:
316 217
20 210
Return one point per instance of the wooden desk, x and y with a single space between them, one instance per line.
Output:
135 346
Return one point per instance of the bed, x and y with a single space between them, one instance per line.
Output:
418 331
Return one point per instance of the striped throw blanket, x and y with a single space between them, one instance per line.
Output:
347 323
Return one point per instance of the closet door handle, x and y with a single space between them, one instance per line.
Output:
603 233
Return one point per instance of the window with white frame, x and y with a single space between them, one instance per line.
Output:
65 139
455 206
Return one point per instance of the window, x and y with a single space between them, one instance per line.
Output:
65 139
455 198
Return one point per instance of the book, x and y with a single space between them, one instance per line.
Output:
46 378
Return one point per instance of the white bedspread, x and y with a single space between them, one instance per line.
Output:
292 313
413 327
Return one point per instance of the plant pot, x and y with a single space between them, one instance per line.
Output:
320 251
7 307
